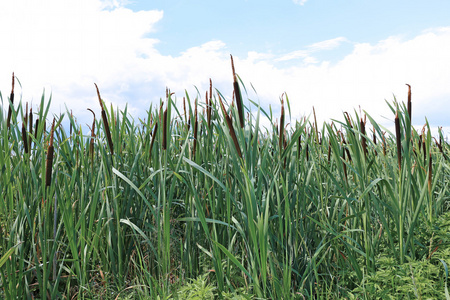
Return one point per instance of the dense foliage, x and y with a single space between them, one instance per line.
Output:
185 204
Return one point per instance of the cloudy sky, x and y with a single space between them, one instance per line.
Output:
335 55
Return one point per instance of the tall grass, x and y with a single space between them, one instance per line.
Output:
282 212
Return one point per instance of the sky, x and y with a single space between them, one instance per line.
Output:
335 55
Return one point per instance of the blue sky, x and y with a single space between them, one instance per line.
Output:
334 55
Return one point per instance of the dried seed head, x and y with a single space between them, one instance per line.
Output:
164 142
237 93
409 103
49 163
8 121
230 126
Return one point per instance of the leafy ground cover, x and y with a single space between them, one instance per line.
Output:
200 201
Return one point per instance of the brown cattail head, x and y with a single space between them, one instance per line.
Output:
24 137
346 149
299 145
105 123
281 135
8 121
307 147
155 131
374 136
363 138
49 163
384 144
399 141
237 93
349 121
344 166
430 169
329 150
164 141
230 126
409 103
30 127
374 140
184 108
24 129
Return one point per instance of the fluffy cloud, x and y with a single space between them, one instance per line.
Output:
66 47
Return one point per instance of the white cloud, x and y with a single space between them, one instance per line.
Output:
306 54
84 44
300 2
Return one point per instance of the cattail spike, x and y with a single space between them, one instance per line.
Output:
409 103
8 121
105 122
237 93
49 163
230 126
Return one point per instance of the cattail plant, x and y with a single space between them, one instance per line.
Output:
230 127
165 127
49 163
374 140
409 103
281 133
8 121
24 130
105 122
30 127
237 94
363 136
